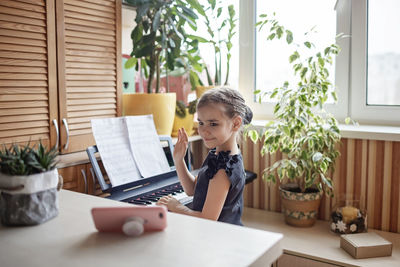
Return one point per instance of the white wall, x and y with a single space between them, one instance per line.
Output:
128 22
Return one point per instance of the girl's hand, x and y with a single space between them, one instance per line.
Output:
181 146
170 202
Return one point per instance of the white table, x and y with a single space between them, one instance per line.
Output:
71 239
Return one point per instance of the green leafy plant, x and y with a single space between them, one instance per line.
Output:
302 129
219 24
180 109
27 160
158 36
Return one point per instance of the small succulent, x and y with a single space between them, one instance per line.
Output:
180 109
44 160
13 160
192 106
27 160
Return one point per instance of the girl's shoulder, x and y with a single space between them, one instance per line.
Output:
222 160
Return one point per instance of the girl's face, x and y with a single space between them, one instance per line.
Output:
216 128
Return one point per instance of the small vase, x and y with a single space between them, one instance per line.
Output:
200 90
187 122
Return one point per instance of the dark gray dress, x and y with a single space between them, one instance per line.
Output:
233 166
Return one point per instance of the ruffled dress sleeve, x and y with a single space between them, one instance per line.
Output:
221 161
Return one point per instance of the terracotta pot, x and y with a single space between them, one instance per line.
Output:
186 122
179 85
162 106
300 209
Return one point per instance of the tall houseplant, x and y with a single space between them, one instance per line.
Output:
220 22
302 130
158 35
157 40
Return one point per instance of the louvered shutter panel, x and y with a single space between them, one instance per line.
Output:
89 61
28 85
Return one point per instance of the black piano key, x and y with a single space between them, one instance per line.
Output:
162 194
169 191
153 199
138 202
148 202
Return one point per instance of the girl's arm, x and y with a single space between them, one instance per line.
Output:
216 194
186 178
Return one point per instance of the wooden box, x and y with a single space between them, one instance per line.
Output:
366 245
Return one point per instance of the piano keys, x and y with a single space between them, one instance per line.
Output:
151 198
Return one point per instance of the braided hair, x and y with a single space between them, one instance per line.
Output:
232 100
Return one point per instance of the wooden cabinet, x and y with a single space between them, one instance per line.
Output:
78 174
89 67
55 79
287 260
28 71
74 178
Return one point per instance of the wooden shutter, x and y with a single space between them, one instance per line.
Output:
89 66
28 92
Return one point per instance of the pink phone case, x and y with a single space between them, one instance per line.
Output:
111 219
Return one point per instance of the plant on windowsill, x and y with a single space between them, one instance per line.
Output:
28 182
219 22
158 35
157 39
184 117
302 130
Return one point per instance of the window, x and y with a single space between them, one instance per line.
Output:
383 76
315 17
375 57
367 70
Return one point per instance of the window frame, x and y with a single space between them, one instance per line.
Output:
386 115
351 66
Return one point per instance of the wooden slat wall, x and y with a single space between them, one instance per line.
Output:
89 61
28 93
366 169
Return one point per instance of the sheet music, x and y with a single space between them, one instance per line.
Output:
145 146
112 141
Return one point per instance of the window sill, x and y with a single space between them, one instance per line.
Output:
370 132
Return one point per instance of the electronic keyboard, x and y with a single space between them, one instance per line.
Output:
147 191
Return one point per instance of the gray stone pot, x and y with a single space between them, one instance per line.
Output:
28 200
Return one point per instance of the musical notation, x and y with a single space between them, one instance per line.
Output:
112 141
145 145
129 148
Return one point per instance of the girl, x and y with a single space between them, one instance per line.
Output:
218 189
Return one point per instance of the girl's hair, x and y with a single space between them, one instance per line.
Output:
231 99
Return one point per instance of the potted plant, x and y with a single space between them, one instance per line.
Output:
28 182
184 117
157 39
220 22
302 131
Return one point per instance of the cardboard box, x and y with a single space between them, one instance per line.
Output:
366 245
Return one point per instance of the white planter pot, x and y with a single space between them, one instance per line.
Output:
28 200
